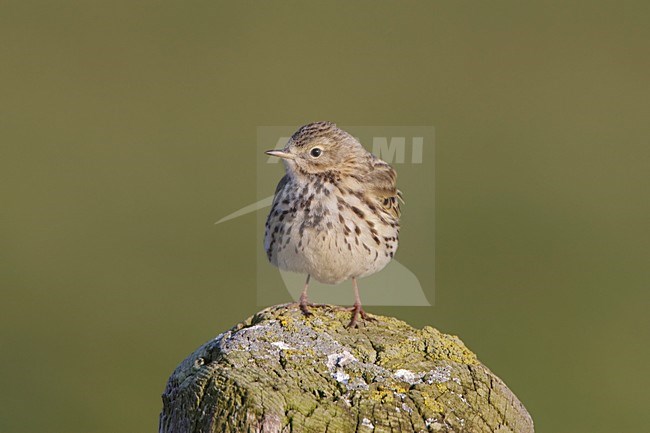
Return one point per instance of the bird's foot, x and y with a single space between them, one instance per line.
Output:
356 312
304 305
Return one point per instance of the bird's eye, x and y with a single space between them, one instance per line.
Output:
315 152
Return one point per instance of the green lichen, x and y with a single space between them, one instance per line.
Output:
283 371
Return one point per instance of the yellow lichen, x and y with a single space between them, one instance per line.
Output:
432 404
381 395
441 387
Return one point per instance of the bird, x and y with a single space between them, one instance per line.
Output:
335 213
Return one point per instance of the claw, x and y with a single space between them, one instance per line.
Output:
304 307
357 311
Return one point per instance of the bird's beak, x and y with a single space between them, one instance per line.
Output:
280 154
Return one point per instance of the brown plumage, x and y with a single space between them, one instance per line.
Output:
335 215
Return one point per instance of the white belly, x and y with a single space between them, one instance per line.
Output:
331 243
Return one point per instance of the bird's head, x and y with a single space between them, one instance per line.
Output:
318 148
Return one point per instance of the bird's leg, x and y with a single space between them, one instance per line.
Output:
356 309
304 303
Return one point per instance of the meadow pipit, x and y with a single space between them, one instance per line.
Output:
335 214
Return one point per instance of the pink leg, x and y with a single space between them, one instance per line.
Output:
356 309
304 303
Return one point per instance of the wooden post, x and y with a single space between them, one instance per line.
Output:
281 372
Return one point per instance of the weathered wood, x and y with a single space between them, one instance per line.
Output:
281 372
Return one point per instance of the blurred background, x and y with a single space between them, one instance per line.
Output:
128 128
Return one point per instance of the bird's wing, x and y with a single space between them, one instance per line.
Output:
381 181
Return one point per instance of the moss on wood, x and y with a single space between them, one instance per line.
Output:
281 372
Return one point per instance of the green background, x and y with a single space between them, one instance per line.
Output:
128 128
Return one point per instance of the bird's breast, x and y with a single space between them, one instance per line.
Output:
330 233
